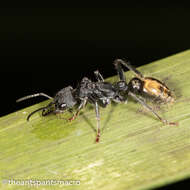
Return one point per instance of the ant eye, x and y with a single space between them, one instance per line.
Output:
63 105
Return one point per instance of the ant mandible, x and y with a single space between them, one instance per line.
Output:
101 94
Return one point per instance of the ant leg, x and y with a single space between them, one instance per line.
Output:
57 112
34 95
99 77
150 109
82 104
119 70
122 84
98 122
129 66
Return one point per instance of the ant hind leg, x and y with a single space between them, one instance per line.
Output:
127 64
164 121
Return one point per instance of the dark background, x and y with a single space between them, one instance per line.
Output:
46 49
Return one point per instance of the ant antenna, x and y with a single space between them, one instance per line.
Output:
34 95
42 108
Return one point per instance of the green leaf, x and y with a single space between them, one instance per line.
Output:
135 151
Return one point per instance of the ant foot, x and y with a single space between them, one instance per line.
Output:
165 122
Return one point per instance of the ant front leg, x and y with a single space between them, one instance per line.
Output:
58 112
82 105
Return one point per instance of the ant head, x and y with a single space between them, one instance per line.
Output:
64 99
135 84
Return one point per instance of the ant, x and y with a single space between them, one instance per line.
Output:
101 93
98 93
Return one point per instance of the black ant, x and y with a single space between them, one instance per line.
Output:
101 93
98 93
